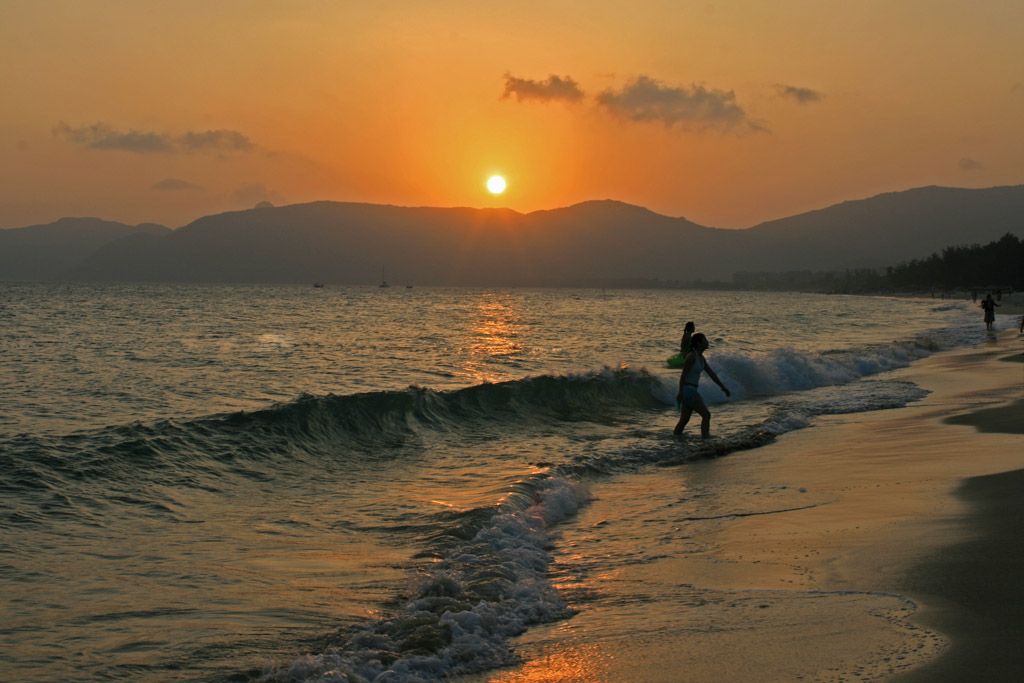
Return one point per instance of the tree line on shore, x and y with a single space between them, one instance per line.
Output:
998 264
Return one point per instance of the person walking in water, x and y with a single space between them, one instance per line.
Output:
684 343
689 395
989 306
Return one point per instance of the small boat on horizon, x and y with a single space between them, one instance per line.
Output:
383 280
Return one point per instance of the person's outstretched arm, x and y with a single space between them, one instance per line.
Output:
712 375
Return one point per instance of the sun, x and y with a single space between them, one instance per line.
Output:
496 184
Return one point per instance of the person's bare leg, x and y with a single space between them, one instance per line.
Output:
684 417
705 417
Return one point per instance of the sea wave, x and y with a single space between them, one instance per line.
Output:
366 427
333 426
786 370
490 582
463 608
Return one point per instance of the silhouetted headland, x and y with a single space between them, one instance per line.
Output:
594 243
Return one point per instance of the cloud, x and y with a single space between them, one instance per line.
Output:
102 136
797 94
645 99
255 193
175 184
554 88
217 140
970 165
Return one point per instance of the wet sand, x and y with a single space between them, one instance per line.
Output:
973 590
873 546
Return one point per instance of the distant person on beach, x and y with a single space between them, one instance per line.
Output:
989 306
689 394
684 343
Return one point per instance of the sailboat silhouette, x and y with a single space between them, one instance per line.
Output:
383 280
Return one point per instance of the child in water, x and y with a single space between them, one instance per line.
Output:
689 394
684 343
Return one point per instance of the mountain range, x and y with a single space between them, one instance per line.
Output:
595 242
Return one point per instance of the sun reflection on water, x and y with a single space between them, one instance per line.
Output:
494 338
575 663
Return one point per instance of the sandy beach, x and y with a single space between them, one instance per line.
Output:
873 546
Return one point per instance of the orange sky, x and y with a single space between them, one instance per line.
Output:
728 113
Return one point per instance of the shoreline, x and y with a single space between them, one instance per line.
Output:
861 568
973 590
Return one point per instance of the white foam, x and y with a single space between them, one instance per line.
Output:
788 369
464 608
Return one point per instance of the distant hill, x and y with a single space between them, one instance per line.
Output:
348 243
596 242
893 227
46 252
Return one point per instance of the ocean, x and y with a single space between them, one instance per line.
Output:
287 483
